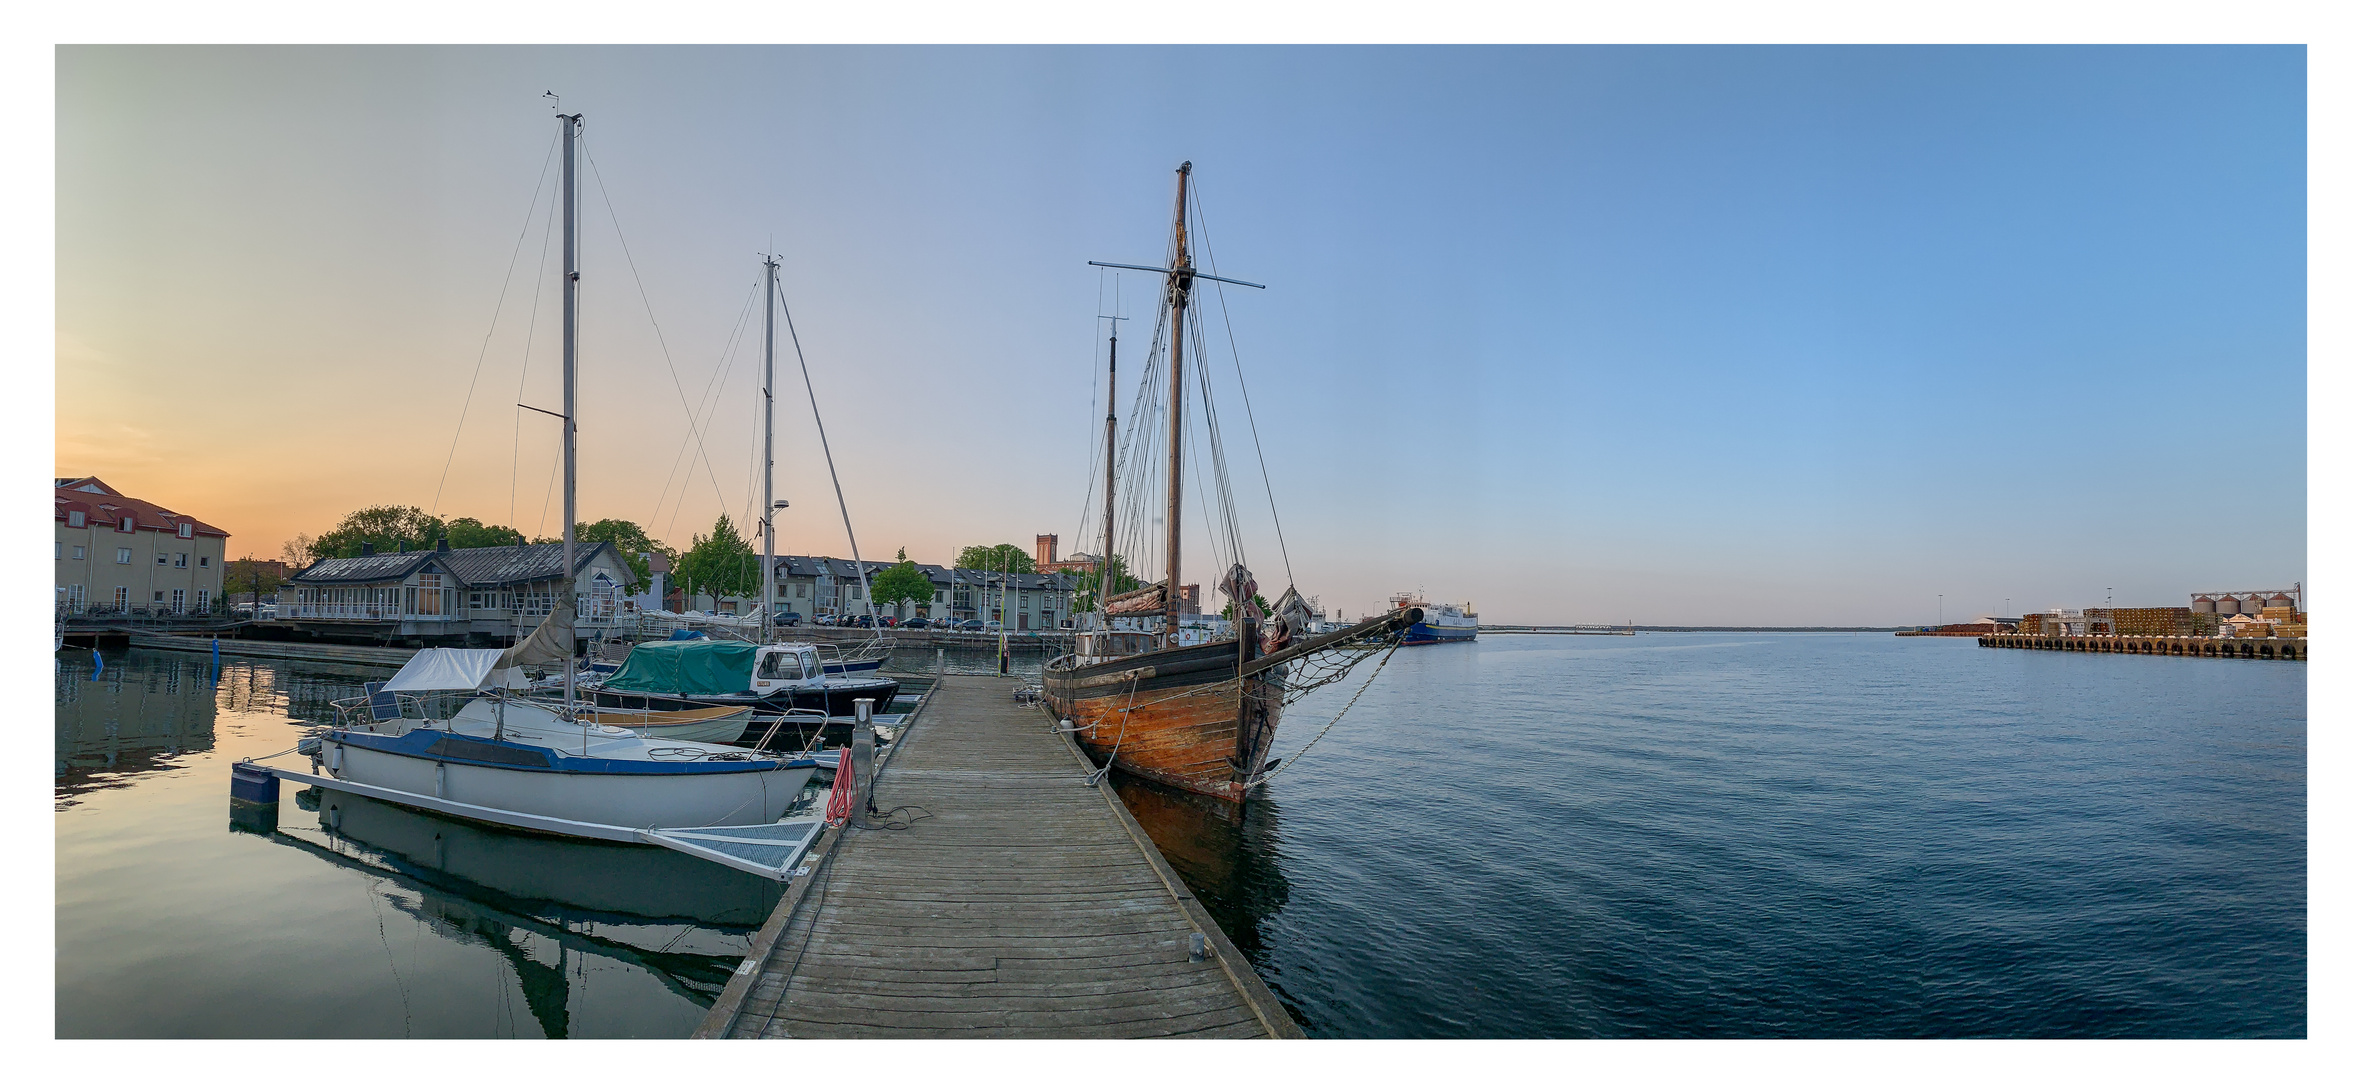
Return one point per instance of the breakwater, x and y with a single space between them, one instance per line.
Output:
2131 645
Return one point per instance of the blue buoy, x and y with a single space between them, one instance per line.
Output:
254 783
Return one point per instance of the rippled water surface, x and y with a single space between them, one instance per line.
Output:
1671 835
1812 835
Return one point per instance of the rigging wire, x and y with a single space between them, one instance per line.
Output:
861 578
711 399
653 317
482 346
1227 316
526 358
731 349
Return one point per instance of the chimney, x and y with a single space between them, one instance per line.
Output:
367 550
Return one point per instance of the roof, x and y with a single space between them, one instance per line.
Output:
824 566
367 568
515 562
102 505
470 567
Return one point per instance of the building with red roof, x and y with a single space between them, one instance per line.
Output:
118 553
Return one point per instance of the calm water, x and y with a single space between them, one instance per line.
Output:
1679 835
179 917
1712 836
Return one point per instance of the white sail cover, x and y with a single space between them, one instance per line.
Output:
452 669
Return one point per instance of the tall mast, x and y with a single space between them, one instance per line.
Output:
1179 293
572 126
1110 481
765 588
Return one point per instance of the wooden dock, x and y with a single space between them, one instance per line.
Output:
1018 903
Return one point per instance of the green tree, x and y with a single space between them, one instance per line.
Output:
471 533
250 577
1264 609
384 528
720 563
631 542
1089 585
1005 558
901 582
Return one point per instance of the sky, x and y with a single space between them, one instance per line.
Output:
1689 335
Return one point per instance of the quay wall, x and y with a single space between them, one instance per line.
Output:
2162 645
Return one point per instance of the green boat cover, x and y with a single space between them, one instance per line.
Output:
685 667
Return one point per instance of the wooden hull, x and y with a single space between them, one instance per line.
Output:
1182 717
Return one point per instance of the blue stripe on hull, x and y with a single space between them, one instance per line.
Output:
1426 634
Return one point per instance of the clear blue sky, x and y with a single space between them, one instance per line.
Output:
1671 335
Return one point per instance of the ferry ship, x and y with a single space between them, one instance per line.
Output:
1440 622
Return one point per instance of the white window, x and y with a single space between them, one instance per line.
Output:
75 519
78 550
123 555
186 529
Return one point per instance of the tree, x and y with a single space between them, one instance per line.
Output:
901 582
250 577
385 528
297 552
719 563
1264 608
471 533
1089 585
1005 558
634 544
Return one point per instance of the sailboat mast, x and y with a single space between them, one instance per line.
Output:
572 126
765 588
1110 482
1179 292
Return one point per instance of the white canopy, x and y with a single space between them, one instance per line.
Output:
454 669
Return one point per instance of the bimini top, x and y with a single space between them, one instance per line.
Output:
686 667
454 669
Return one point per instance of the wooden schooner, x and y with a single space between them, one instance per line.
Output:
1196 716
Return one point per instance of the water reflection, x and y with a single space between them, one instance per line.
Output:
1226 854
139 715
538 902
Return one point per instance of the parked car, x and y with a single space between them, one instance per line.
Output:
970 624
787 618
915 624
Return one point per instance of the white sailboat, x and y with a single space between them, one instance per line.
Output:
552 766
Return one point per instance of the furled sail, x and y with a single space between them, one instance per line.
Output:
552 644
1148 600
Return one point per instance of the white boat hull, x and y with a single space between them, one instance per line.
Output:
633 801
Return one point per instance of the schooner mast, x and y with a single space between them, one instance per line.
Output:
1180 275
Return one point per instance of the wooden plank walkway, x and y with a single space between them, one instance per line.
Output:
1020 902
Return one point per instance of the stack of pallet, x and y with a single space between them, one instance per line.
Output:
2153 621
